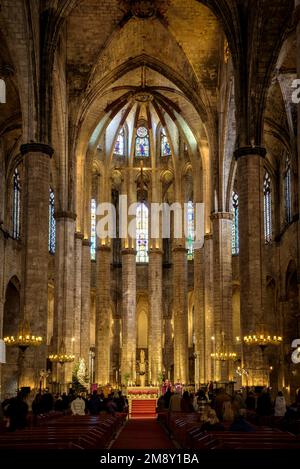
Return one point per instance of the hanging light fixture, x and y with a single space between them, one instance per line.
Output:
262 340
223 355
24 338
62 357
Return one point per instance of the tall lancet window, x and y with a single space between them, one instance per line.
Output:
119 148
93 229
190 231
142 143
52 224
288 191
235 247
267 208
16 212
142 233
165 149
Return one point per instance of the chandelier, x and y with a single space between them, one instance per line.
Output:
24 338
61 357
224 356
262 340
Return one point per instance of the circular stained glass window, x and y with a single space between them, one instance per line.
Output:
142 132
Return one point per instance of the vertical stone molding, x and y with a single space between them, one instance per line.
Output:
155 315
128 359
180 309
103 316
85 301
250 189
34 294
222 274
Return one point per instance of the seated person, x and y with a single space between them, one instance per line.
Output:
186 403
211 421
240 424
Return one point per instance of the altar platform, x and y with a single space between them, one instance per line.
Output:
142 402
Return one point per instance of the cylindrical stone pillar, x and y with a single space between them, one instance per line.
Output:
77 293
199 315
208 307
128 361
64 290
250 189
34 294
85 301
180 308
155 314
222 272
103 325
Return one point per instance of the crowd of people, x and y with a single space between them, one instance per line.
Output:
14 411
216 407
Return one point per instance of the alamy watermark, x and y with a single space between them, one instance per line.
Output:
2 91
164 220
296 93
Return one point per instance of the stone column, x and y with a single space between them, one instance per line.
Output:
64 289
77 293
208 307
297 20
128 361
222 273
85 301
103 317
250 180
180 302
199 315
34 302
155 314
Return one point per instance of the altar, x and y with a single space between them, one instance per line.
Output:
142 401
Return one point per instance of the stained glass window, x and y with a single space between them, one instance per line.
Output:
142 236
93 229
165 149
142 145
190 231
120 143
52 224
16 204
267 208
235 248
288 191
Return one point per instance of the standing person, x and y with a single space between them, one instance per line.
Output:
280 405
78 406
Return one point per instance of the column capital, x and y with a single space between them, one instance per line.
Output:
179 249
126 251
86 242
65 214
103 248
78 235
250 151
155 251
221 216
296 15
35 147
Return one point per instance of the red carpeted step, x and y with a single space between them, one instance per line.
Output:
143 408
